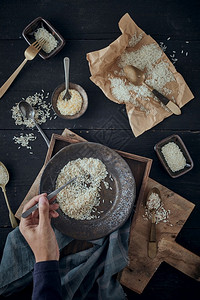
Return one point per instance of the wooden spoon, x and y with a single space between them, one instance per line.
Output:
3 186
152 243
137 77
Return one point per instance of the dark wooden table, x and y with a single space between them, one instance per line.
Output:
87 26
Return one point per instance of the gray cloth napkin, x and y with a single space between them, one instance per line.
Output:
86 274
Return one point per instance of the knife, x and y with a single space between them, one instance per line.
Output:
49 197
171 105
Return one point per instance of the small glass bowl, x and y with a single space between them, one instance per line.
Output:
178 141
57 92
28 34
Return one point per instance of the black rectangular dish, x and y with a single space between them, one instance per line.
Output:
178 141
28 34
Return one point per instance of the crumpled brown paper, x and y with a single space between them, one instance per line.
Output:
102 63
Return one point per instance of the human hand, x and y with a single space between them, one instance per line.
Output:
37 230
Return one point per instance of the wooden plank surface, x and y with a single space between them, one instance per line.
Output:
141 267
88 26
93 18
114 114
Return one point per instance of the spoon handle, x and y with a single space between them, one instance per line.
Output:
42 133
66 69
152 237
152 244
13 220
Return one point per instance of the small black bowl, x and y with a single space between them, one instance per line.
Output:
82 92
178 141
28 34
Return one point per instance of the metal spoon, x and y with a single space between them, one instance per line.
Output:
29 113
137 77
67 95
13 220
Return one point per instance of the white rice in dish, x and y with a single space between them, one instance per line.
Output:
79 198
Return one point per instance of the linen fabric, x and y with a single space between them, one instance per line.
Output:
90 274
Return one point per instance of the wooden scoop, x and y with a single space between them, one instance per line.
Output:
137 77
13 221
152 243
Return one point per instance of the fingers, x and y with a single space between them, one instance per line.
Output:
53 206
53 214
33 201
52 210
43 211
52 199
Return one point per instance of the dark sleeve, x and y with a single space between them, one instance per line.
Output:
46 281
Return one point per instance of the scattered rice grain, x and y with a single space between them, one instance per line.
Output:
23 140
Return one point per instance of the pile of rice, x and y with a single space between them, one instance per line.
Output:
147 58
51 42
24 139
80 198
3 175
72 106
42 109
154 203
43 113
174 156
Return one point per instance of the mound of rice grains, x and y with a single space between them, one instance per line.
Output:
51 42
173 156
157 74
3 175
72 106
154 203
43 112
80 199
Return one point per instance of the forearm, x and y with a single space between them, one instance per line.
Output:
46 281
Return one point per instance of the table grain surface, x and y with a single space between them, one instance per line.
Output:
88 26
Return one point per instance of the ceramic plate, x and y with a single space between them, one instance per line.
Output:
118 201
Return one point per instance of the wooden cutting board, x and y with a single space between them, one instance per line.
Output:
141 268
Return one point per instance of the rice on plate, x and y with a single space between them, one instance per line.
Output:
79 199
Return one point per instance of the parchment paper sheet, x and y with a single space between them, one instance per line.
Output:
104 62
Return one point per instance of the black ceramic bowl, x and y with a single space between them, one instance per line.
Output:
28 34
178 141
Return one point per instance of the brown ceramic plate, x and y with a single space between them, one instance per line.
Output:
57 92
118 202
177 140
28 34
